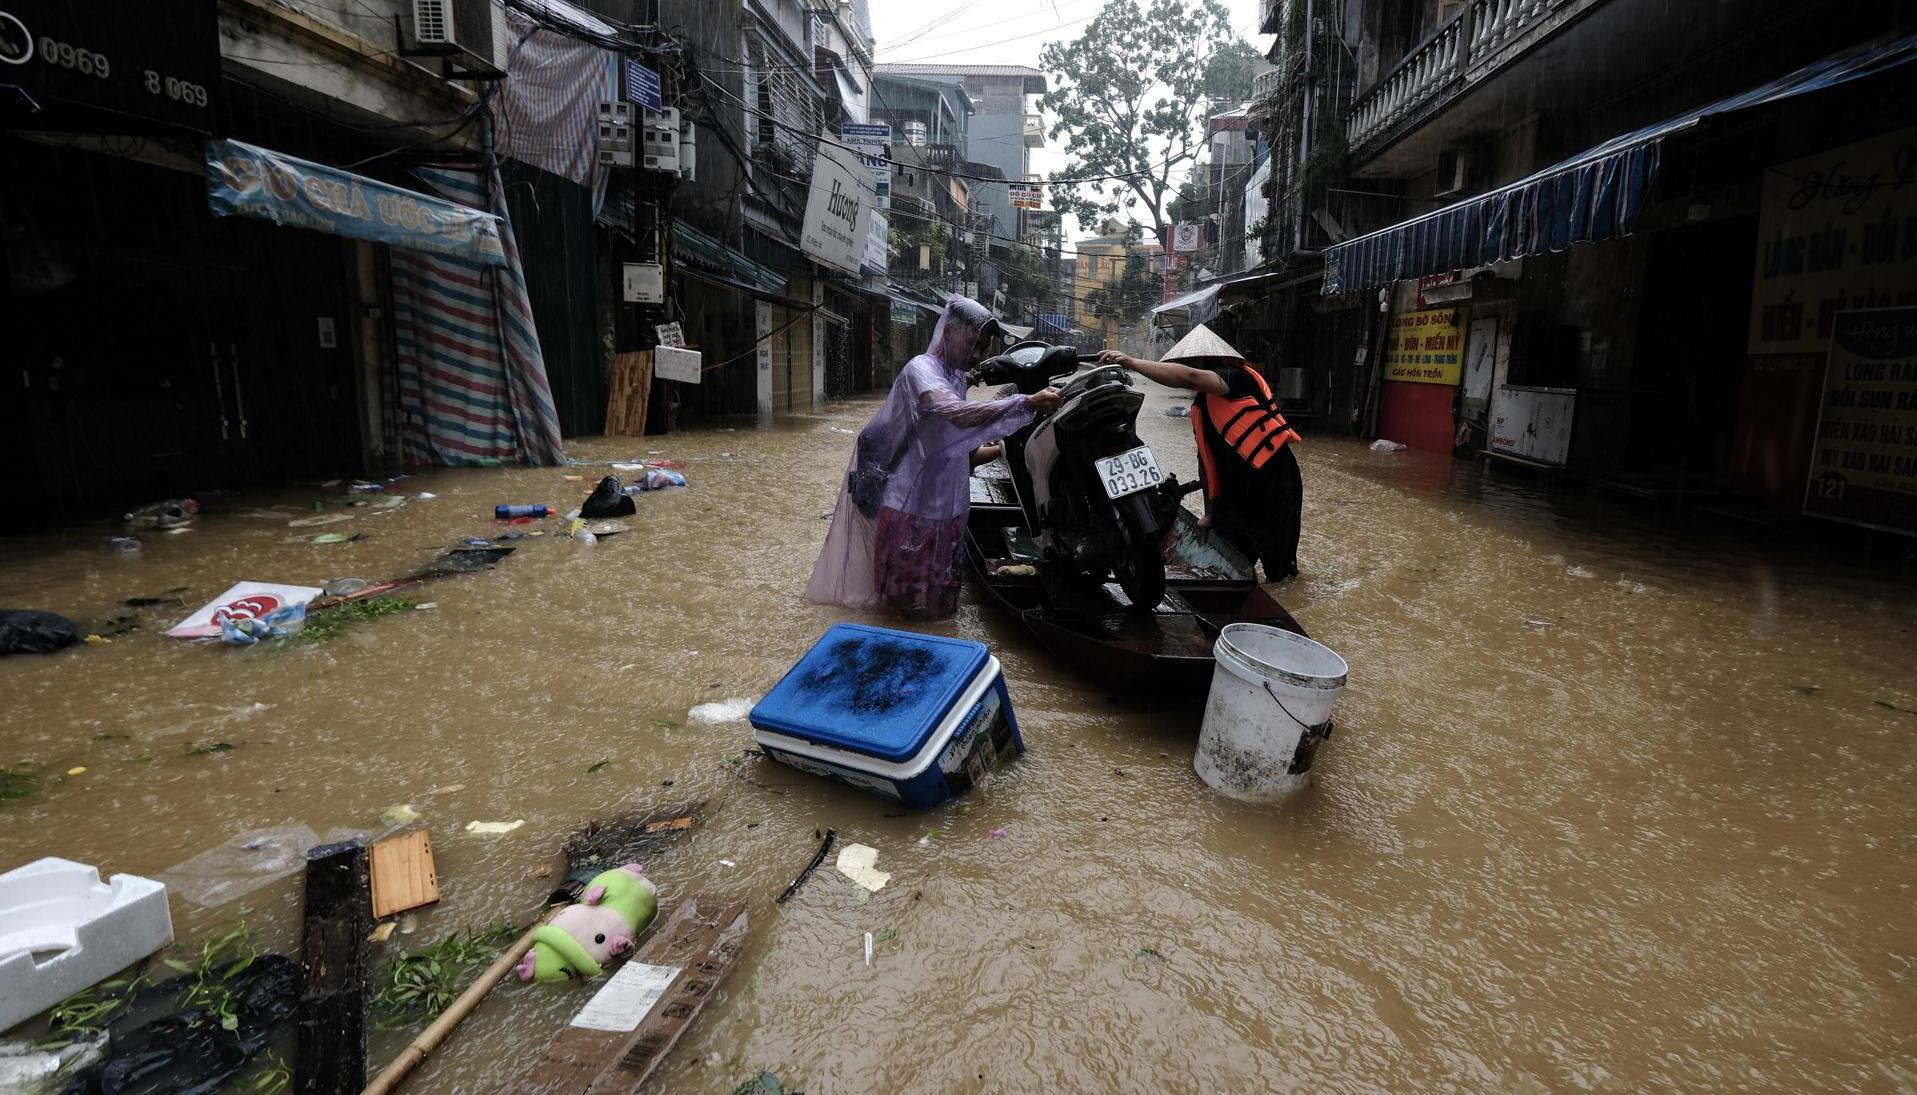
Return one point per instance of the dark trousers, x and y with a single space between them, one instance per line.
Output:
1263 522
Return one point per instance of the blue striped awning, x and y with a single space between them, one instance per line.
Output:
691 246
1595 195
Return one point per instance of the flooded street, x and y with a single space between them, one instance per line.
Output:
1612 805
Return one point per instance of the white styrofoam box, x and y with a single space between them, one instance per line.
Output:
63 930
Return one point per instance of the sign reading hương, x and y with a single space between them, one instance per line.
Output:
243 180
1864 464
1426 346
838 210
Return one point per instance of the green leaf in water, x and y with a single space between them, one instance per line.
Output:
598 766
15 784
1149 952
886 936
665 724
208 748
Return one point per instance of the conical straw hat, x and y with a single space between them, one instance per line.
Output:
1201 344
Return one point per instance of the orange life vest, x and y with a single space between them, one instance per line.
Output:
1252 427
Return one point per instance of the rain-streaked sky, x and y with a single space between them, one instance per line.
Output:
1003 32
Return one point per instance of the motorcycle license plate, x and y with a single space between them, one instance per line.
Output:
1129 472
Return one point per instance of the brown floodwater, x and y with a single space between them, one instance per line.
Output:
1612 805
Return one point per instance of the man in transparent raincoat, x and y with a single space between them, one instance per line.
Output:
897 537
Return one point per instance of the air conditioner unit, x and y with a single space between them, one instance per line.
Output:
454 26
1454 172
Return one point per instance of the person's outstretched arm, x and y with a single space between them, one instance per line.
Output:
1168 373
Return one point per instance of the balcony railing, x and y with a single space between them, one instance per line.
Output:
1266 83
1474 38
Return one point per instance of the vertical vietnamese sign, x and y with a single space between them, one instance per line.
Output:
838 210
872 142
1864 462
1426 346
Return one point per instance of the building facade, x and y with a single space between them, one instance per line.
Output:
1609 236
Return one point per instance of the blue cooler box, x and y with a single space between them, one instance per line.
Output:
913 717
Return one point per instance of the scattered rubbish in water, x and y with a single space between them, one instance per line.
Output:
423 606
15 784
210 748
329 622
105 927
77 770
322 519
843 430
401 813
727 863
30 631
997 832
868 948
1382 445
426 496
360 486
172 513
331 538
765 1083
597 766
575 478
383 932
244 601
1149 952
403 873
188 1034
1022 570
608 499
614 909
859 862
656 479
250 630
518 512
818 857
1539 624
126 545
731 710
345 587
415 988
244 863
28 1069
493 828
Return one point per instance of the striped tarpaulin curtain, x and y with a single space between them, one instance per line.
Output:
548 105
472 385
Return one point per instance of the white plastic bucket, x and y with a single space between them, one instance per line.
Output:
1270 706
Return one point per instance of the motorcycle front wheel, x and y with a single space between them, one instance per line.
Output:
1140 569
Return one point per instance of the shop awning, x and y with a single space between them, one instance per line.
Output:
1595 195
1194 307
691 246
244 180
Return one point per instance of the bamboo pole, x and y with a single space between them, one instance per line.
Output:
442 1028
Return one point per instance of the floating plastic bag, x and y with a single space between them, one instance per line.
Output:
245 863
731 710
249 630
1381 445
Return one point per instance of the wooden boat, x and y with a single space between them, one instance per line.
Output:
1165 653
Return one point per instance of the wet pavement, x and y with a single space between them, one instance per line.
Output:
1612 805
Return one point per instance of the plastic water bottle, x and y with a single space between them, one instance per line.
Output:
508 513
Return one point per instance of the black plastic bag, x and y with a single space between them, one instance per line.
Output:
28 631
608 499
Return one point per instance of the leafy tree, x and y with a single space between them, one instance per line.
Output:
1132 94
1028 285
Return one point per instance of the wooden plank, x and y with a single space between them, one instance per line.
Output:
336 967
627 388
404 876
701 941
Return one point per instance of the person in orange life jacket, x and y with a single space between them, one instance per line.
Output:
1253 491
